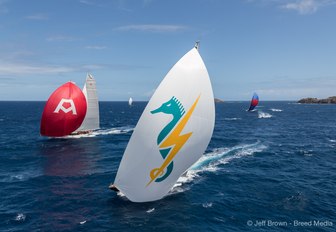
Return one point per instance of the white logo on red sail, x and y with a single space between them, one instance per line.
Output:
66 110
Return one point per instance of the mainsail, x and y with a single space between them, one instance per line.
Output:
130 101
91 120
254 102
171 134
64 111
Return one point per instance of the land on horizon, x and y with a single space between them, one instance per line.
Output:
310 100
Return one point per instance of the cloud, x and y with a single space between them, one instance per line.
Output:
288 89
95 47
23 69
96 3
152 28
61 38
87 2
303 7
18 69
91 67
38 17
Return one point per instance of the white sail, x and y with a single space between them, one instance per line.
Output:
130 101
91 120
172 133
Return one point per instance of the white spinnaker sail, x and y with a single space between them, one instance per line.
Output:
91 120
130 101
188 85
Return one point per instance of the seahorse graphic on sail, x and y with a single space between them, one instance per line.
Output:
170 140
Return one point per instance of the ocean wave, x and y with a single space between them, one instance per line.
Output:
276 110
306 152
116 130
207 204
264 115
150 210
213 161
332 140
120 194
20 217
232 119
18 177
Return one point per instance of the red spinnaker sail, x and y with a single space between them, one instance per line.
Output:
64 111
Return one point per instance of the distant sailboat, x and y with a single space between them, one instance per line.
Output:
91 120
130 101
254 102
172 133
64 111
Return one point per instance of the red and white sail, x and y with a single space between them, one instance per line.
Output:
64 111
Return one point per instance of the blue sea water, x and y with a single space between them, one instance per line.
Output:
273 169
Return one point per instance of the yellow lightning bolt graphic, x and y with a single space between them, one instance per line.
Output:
174 140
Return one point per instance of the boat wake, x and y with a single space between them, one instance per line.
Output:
264 115
19 176
214 161
276 110
115 130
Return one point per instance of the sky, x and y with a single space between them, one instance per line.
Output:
281 49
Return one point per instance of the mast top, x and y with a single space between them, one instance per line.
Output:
197 44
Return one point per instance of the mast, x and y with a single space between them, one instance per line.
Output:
197 44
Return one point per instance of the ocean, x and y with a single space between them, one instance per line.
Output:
273 169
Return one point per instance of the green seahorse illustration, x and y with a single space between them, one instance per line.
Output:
176 109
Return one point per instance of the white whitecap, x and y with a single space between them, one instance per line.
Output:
264 115
150 210
120 194
232 119
83 222
207 204
276 110
20 217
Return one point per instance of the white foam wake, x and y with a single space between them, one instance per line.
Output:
116 130
276 110
19 176
213 161
264 115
